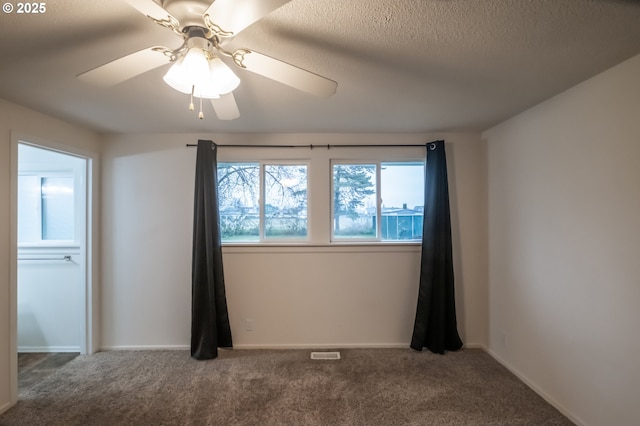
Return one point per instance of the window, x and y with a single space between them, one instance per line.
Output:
311 197
354 200
238 199
46 208
282 215
377 201
402 192
285 206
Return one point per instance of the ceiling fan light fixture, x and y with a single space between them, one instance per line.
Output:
224 79
196 66
177 78
190 75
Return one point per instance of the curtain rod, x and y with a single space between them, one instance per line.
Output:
327 146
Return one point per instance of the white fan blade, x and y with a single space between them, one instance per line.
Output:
151 9
226 107
229 17
285 73
126 67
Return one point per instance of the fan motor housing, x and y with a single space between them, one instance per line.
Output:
188 12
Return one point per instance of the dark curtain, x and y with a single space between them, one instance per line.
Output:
210 327
435 326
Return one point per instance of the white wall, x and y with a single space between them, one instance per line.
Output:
564 239
14 120
296 296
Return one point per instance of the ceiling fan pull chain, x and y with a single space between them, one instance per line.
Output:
200 114
191 107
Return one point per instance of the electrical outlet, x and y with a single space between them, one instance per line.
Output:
248 324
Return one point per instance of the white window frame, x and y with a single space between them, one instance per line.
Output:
379 201
263 197
320 187
262 238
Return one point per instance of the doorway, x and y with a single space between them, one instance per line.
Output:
52 256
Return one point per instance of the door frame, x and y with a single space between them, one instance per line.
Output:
88 343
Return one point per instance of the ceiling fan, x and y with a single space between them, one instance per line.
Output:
197 66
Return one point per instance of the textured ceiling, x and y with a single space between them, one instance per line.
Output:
401 66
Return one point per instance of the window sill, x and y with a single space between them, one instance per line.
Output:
346 247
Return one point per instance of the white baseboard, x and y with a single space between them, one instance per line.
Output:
324 346
259 346
536 389
33 349
475 346
144 348
4 407
279 346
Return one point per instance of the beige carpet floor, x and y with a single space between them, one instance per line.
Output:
285 387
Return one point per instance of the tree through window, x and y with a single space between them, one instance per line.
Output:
379 201
354 190
282 215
